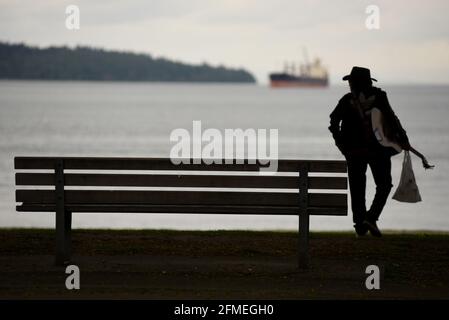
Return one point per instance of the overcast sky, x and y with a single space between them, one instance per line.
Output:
411 46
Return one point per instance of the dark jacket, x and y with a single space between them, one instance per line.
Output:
351 133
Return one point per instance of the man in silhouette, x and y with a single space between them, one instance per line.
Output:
350 124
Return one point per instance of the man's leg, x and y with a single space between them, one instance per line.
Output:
381 169
357 185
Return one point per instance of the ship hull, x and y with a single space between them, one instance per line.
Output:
282 80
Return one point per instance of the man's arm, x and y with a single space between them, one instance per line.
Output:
335 118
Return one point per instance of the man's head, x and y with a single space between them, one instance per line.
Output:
359 79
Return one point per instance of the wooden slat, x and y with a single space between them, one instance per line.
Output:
157 180
328 183
194 209
98 163
327 200
329 211
327 166
158 197
181 198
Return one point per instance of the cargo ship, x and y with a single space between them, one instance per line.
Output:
307 75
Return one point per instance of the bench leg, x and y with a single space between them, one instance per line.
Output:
303 241
63 237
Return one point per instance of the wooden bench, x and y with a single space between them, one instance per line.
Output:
72 186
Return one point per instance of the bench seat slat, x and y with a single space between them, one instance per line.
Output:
171 180
193 209
98 163
181 197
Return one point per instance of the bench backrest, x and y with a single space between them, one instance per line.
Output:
81 184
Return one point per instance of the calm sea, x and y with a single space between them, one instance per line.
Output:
136 119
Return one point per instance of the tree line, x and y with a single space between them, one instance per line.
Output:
19 61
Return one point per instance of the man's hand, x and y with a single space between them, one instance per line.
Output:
341 147
406 146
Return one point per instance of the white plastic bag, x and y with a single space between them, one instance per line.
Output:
407 190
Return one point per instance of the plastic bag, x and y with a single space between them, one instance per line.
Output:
407 190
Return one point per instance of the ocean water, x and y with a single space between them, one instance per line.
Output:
136 119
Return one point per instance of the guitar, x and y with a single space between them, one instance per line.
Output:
363 106
377 124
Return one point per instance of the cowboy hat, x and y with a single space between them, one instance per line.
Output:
359 74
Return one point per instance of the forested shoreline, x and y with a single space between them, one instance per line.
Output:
19 61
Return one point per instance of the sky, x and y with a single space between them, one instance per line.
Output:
411 44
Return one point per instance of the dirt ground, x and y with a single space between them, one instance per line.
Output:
160 264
